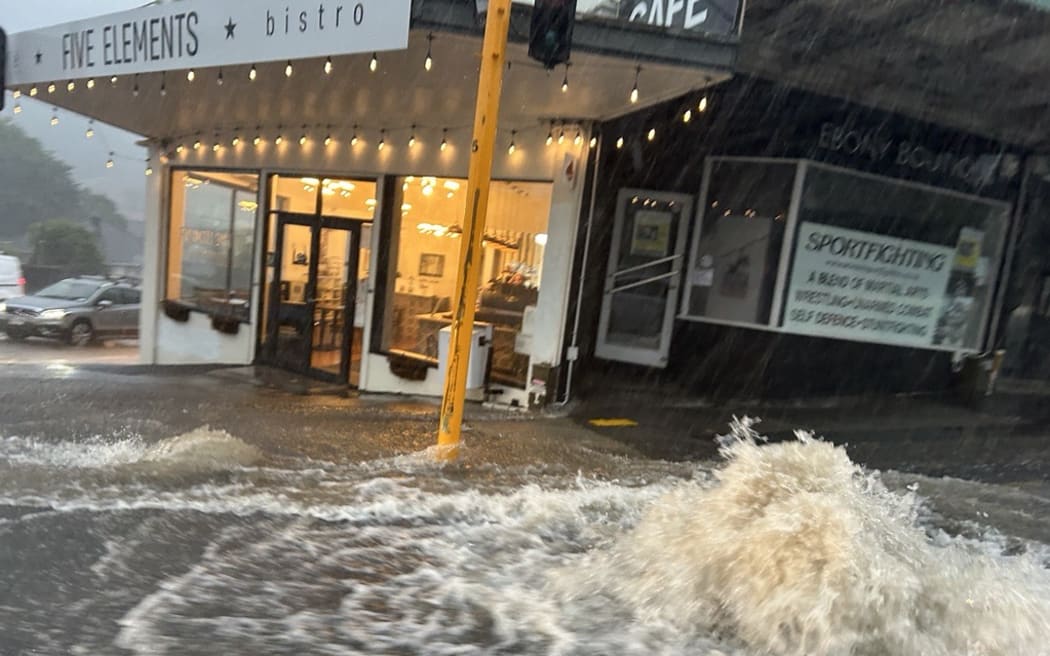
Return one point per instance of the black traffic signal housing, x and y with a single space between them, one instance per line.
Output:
550 36
3 66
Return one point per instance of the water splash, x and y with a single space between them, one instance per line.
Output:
797 551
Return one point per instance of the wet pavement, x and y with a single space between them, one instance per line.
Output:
37 351
149 510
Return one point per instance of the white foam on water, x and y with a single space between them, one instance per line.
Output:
202 449
797 551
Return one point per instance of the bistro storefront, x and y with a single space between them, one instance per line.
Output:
306 173
776 242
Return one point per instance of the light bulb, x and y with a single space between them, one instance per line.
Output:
550 138
51 87
578 139
90 132
652 134
619 142
354 140
71 87
703 104
302 140
561 137
565 81
288 69
412 139
328 140
54 120
191 75
179 149
113 80
382 141
253 73
91 83
235 142
444 139
149 169
328 66
163 89
594 142
16 94
374 64
109 162
33 91
428 63
512 147
215 147
17 109
278 140
219 79
256 141
135 90
197 144
634 94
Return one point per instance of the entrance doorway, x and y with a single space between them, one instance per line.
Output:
313 295
641 283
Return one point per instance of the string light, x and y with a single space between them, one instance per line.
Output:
191 75
109 162
163 85
236 141
217 145
197 143
374 64
219 79
444 139
594 142
135 89
634 90
687 116
54 116
71 86
16 94
328 66
149 167
179 149
33 91
512 147
257 139
113 80
578 139
412 138
561 137
703 104
278 140
91 83
17 109
382 140
619 143
651 135
302 139
328 140
354 139
288 69
428 63
565 80
90 132
550 134
51 87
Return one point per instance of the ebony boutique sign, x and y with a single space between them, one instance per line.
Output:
202 33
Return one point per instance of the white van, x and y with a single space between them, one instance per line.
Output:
12 282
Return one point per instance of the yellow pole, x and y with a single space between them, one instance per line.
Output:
486 114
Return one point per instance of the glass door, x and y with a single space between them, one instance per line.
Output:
310 320
644 274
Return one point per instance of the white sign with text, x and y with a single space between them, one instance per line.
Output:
201 33
865 286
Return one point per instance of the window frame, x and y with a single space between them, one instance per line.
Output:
165 297
786 258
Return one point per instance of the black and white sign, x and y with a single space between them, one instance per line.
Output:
201 33
867 287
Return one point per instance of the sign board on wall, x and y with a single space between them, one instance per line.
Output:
714 16
863 286
202 33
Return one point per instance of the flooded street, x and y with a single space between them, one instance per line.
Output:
121 541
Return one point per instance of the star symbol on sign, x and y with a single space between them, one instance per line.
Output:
230 27
39 57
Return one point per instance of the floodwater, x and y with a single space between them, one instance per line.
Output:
202 544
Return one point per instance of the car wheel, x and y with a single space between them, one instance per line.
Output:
16 335
81 334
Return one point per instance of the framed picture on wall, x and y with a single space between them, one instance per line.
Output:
432 265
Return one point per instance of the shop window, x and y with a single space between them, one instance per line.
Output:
736 255
890 262
424 262
211 241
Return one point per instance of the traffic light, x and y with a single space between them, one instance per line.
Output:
3 66
550 36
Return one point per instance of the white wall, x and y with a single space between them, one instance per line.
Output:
196 342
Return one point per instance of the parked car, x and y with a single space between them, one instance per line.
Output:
12 282
77 310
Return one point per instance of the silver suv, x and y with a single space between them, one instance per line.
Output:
78 310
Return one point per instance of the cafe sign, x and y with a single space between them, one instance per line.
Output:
203 33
